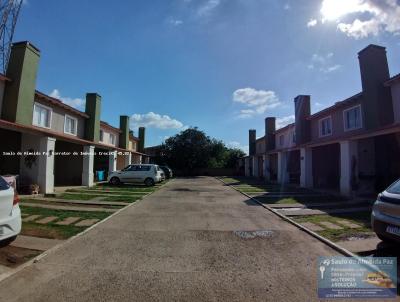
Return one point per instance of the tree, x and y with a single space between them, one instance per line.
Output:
192 149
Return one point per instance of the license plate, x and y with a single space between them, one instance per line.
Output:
393 230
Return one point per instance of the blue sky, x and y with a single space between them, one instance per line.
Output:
220 65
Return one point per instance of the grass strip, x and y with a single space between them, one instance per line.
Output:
361 218
52 230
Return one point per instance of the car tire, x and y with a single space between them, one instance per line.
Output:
149 182
115 181
7 241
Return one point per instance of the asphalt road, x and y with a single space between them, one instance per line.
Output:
179 244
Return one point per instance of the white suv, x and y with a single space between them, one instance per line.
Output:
10 214
146 173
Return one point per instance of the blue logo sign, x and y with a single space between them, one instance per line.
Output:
357 277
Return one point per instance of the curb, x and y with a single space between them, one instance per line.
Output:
38 258
328 242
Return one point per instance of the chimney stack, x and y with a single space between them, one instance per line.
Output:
19 93
252 142
124 135
302 111
377 99
93 109
142 132
270 127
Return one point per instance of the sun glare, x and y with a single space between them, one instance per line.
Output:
334 9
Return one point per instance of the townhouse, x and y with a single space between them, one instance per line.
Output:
48 143
351 147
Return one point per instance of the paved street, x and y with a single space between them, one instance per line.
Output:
179 244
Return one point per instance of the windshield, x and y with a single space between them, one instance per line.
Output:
3 184
394 188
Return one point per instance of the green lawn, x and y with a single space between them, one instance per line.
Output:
52 230
82 196
361 218
122 198
310 199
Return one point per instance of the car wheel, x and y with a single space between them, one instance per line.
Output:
115 181
7 241
149 182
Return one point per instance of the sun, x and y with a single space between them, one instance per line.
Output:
332 10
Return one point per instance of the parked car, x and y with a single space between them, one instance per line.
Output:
10 213
167 171
385 218
146 173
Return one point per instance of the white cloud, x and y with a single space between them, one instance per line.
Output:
312 23
154 120
323 63
237 145
284 121
287 6
73 102
368 17
318 104
256 101
174 22
208 7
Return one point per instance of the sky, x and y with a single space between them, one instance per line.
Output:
219 65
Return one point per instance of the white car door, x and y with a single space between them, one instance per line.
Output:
130 174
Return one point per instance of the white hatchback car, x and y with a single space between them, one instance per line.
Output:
142 173
10 214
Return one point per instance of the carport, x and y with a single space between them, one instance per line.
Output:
272 168
293 166
68 163
326 166
11 144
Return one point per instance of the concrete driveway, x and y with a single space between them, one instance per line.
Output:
178 244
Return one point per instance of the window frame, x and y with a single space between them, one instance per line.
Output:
76 124
101 136
36 104
320 121
112 141
345 128
281 140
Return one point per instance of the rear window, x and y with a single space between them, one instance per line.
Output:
394 188
3 184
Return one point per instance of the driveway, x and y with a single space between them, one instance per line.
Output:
179 244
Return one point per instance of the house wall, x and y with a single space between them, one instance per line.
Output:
288 141
132 145
58 119
260 146
396 100
106 136
337 124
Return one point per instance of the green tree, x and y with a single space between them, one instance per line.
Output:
192 149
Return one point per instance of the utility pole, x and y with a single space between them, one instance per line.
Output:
9 11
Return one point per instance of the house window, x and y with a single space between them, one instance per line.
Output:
70 125
281 140
325 126
101 135
352 118
112 139
294 137
41 116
